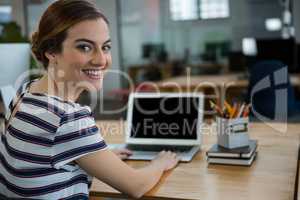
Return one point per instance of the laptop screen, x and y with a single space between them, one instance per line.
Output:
165 117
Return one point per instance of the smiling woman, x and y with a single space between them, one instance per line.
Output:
74 43
52 147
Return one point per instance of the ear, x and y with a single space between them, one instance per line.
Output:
51 57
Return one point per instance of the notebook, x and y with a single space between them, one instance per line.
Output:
232 161
242 152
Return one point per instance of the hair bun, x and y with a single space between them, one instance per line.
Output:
34 38
35 46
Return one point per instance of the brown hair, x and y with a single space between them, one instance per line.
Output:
55 22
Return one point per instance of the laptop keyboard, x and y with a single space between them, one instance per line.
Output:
157 148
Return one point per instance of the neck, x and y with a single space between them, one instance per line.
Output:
62 89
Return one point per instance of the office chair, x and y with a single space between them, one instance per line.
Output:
270 92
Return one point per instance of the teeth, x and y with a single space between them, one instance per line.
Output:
93 72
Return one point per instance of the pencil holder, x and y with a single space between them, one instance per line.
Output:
232 133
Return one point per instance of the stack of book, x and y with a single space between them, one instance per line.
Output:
237 156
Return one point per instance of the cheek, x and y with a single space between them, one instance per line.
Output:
74 63
76 58
109 60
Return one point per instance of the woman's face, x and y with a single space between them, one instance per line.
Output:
85 55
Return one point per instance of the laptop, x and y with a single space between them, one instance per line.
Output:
164 121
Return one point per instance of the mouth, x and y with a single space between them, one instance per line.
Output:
94 74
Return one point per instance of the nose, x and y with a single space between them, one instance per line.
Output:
99 59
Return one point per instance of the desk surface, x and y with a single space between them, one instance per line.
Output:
224 80
271 176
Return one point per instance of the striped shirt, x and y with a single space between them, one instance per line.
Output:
40 145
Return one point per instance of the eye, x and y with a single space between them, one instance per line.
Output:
84 48
106 48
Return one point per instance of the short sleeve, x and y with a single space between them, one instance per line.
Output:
76 136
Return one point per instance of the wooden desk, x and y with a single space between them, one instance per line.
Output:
272 175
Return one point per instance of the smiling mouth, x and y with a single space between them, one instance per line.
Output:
92 73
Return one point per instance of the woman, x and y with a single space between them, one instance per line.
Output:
52 146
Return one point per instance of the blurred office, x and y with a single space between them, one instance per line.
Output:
161 41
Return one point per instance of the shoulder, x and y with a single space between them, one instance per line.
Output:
76 114
46 103
61 114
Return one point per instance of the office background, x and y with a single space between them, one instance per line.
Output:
216 41
154 40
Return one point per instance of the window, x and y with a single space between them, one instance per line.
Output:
211 9
5 14
198 9
184 10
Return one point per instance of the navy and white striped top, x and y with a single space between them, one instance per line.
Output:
38 149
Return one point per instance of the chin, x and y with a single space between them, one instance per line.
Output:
92 83
95 85
98 87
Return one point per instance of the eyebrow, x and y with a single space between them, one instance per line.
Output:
90 41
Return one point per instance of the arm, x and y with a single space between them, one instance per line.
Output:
107 167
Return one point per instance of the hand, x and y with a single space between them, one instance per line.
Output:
122 153
167 159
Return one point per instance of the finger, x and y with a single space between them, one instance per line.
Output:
162 152
123 156
126 151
